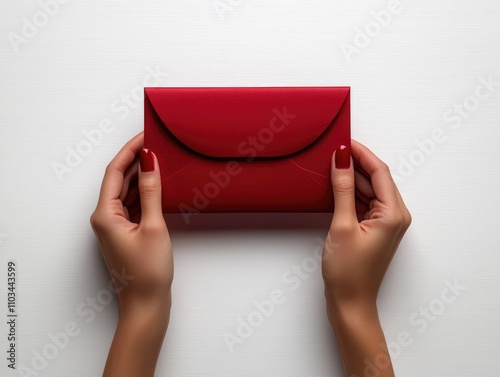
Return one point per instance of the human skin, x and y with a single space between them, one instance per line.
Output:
134 240
368 223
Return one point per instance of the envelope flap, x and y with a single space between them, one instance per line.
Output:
238 122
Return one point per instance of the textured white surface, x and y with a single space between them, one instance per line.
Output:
71 75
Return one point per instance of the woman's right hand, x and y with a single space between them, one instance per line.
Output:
369 221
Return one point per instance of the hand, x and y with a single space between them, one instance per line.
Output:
369 221
135 244
358 253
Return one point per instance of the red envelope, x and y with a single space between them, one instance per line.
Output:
246 149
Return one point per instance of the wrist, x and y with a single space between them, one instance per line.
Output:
354 311
138 338
354 321
154 311
360 338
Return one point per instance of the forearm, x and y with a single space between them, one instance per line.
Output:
137 343
361 341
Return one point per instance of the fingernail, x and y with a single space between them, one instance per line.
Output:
147 161
342 158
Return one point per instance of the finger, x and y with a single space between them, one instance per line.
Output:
343 187
361 210
150 190
380 176
134 212
112 183
129 178
404 209
132 196
363 185
126 214
362 198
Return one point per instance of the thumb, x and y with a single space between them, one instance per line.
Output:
343 188
150 189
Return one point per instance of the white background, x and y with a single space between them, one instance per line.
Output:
72 74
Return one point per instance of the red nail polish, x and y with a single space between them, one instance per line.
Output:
342 158
147 161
